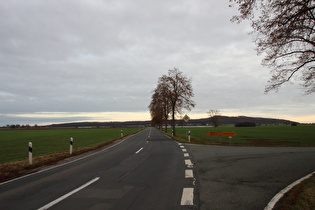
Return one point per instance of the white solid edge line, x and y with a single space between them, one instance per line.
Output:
187 197
277 197
68 194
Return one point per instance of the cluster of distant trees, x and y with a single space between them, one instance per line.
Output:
13 126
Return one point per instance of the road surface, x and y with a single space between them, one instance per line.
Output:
247 177
145 171
150 171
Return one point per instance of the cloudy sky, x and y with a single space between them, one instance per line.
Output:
99 60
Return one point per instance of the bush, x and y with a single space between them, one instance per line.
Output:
245 124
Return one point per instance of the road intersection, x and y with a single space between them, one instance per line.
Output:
149 170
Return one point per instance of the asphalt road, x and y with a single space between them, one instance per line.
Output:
150 171
145 171
247 177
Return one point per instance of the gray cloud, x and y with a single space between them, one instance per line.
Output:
106 56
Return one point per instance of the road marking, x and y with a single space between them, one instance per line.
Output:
182 146
189 173
184 150
68 194
187 197
139 150
179 144
186 155
188 163
277 197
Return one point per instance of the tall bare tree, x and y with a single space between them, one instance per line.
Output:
160 104
180 93
285 35
172 94
156 111
215 117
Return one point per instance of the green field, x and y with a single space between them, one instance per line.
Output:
14 143
277 135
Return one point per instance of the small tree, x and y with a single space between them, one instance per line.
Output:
215 117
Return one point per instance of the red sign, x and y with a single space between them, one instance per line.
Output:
221 133
228 133
213 133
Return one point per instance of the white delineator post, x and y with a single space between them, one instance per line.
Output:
30 153
189 136
121 133
71 144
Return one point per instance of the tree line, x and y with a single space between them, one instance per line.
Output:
172 93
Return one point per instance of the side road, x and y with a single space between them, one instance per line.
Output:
247 177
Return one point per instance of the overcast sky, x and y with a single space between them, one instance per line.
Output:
99 60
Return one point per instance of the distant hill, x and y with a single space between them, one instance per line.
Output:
225 120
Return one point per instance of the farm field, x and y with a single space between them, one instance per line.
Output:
273 135
14 143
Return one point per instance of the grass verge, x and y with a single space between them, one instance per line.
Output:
299 197
14 169
260 136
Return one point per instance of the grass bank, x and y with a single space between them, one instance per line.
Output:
275 136
301 196
49 147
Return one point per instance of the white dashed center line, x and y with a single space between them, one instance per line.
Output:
189 173
139 150
187 197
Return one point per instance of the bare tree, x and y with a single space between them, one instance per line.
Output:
160 103
156 111
215 117
285 35
172 94
180 93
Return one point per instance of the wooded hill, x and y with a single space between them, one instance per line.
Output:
225 120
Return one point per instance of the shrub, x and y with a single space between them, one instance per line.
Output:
245 124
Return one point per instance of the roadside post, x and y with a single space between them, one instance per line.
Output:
121 133
71 144
186 119
30 153
230 137
189 136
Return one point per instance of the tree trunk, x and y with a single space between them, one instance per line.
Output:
173 121
166 125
